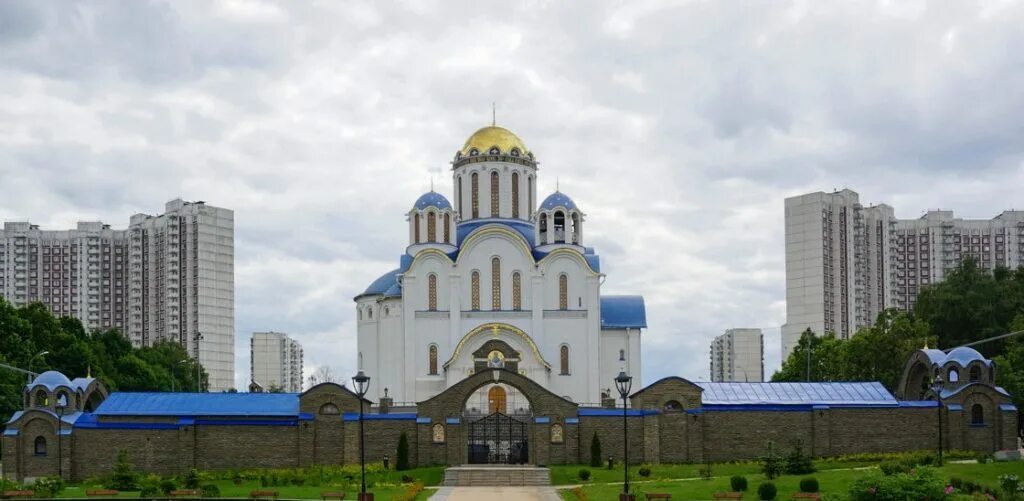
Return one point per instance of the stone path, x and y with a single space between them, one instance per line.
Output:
496 493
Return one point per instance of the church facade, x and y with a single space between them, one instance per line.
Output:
496 280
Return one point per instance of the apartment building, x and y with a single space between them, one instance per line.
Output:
275 362
738 356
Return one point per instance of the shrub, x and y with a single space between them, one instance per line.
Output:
402 461
192 479
767 491
893 467
809 484
48 487
167 485
705 471
771 464
124 478
595 452
798 463
411 493
237 479
210 491
644 471
407 479
921 483
1011 486
738 483
584 474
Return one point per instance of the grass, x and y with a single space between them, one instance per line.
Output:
569 474
834 483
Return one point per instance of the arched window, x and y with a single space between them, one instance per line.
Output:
622 355
673 406
559 227
575 228
543 228
458 196
40 446
62 399
495 284
977 414
953 375
369 312
563 359
474 290
329 409
433 360
529 191
359 312
387 311
42 399
563 292
447 228
495 192
975 374
494 151
517 292
474 192
432 292
431 227
416 228
515 194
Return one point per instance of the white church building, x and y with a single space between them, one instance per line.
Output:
496 280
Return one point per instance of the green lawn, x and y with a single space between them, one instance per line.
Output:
569 474
834 483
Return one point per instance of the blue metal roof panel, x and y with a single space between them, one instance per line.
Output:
557 199
51 380
432 199
623 312
964 356
734 393
524 228
200 404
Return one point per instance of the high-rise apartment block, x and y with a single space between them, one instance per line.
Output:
166 277
276 361
738 355
846 262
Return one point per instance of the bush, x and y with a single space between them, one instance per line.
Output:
584 474
124 478
167 485
798 463
210 491
48 487
705 471
771 464
738 483
893 467
767 491
192 479
809 484
407 479
644 471
402 461
921 483
595 452
1011 486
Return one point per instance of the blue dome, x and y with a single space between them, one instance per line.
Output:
432 199
383 284
51 380
965 356
557 199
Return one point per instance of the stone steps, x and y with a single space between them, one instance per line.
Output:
496 475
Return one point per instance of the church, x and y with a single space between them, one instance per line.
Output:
496 280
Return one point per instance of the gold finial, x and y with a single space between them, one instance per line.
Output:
494 114
926 343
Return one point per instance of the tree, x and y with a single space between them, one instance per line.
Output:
402 461
124 478
1010 365
821 364
322 374
595 451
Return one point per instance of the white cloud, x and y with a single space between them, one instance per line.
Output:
679 127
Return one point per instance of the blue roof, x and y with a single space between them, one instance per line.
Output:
51 380
965 356
623 312
384 283
946 393
557 199
796 394
432 199
524 228
82 383
935 356
199 404
67 418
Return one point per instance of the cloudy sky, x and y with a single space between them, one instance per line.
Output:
678 127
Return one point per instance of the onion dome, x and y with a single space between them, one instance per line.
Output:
485 140
51 380
432 199
557 199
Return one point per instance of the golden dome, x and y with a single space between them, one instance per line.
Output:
493 136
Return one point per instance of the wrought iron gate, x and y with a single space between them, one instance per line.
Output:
498 439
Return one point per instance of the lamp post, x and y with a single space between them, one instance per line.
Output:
37 355
60 428
937 388
361 382
623 383
199 377
175 366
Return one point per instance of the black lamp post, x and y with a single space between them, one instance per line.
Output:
623 383
937 388
361 382
60 428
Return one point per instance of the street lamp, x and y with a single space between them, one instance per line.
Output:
37 355
199 377
623 383
361 382
61 406
173 377
937 388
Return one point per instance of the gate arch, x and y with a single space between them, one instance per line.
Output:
447 407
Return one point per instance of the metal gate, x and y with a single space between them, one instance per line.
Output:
498 439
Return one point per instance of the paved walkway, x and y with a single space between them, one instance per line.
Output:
495 493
